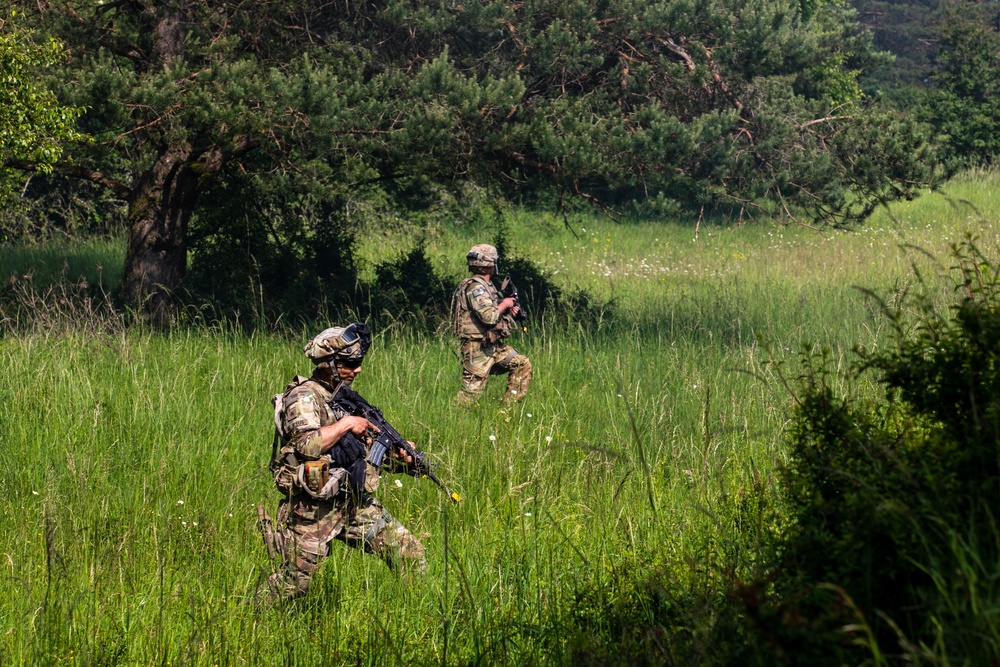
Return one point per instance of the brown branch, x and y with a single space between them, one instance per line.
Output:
74 171
810 123
717 78
594 201
534 164
676 50
155 121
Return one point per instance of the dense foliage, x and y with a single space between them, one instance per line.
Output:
893 501
909 30
965 105
286 124
33 125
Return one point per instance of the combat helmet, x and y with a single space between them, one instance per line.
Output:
348 343
482 255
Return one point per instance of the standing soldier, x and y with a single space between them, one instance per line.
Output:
482 319
322 473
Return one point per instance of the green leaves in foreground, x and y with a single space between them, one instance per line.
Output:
33 125
893 499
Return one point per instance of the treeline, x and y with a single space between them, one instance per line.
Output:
944 70
241 148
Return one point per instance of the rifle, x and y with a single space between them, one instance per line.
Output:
387 438
509 290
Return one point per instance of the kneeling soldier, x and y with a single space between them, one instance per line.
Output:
482 319
322 473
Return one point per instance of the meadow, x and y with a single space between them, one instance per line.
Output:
603 518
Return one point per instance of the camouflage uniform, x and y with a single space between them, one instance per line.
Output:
316 510
481 329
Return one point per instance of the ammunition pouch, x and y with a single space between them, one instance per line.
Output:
285 480
319 480
506 325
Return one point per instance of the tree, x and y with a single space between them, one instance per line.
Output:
965 105
318 106
33 125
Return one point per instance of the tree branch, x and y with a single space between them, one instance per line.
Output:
802 126
74 171
534 164
676 50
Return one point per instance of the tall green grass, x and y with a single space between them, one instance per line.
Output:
603 518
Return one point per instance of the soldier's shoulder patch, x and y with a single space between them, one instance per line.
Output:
479 291
302 411
300 403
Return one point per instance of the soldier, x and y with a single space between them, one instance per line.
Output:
324 477
482 319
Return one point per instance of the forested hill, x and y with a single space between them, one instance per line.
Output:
911 30
907 29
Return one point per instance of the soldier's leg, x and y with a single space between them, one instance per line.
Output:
518 369
372 528
476 365
307 529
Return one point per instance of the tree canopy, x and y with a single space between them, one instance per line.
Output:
283 116
33 125
965 104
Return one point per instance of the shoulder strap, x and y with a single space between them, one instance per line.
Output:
278 401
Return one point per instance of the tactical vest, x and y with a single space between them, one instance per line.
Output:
285 464
465 324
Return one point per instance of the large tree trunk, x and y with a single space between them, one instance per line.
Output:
162 200
160 207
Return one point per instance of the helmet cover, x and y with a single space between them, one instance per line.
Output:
348 343
482 255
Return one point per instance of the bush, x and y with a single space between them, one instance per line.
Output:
538 295
891 500
410 285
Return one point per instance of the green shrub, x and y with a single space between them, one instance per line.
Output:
884 494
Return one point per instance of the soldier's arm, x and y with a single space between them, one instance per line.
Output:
302 424
481 303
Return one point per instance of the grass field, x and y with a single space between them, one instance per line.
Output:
602 518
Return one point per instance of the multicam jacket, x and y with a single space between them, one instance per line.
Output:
300 412
474 309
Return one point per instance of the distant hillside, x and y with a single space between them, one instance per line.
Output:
907 29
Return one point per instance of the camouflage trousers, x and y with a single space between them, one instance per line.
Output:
307 527
480 360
